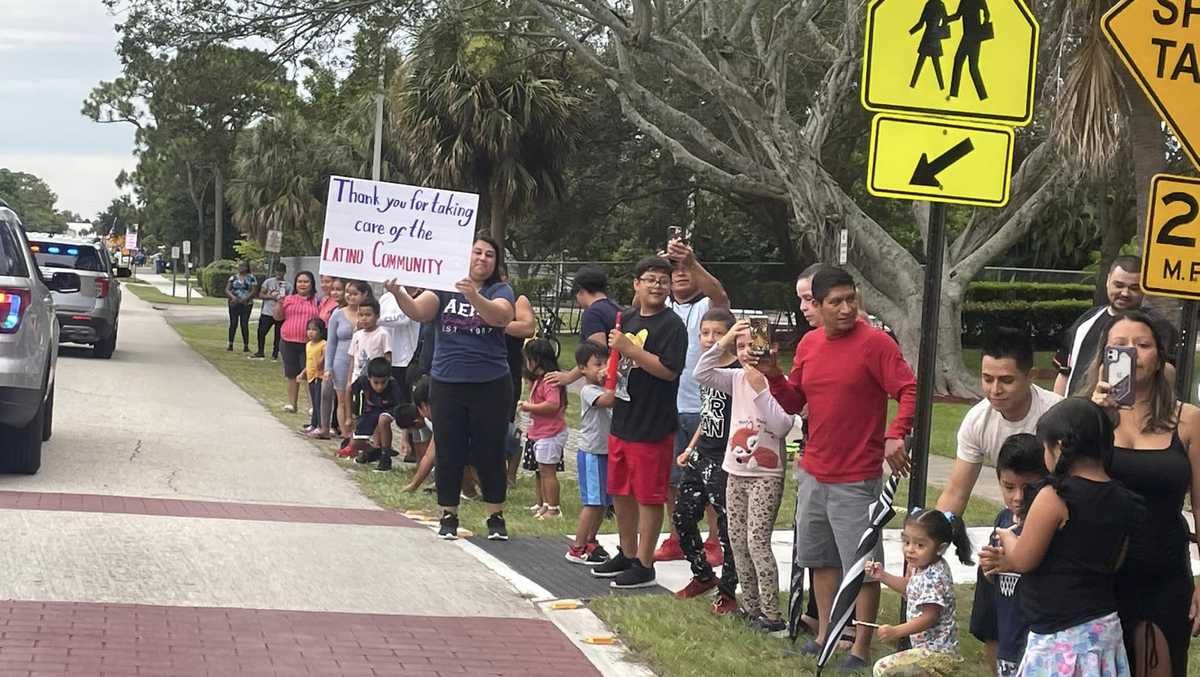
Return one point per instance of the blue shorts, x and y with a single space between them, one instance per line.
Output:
368 421
593 479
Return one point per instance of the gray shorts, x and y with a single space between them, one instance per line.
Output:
550 450
831 519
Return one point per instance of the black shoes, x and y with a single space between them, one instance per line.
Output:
497 530
613 567
448 530
369 456
385 463
636 576
766 625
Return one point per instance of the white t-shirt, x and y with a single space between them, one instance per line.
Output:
404 331
984 430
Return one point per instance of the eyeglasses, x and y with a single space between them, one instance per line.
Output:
663 282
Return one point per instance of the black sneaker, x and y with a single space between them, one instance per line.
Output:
392 452
258 356
766 625
367 456
497 531
596 554
636 576
411 458
449 529
229 348
613 567
385 464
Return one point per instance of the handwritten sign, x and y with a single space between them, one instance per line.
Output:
377 231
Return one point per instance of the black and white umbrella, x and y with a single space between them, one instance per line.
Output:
880 512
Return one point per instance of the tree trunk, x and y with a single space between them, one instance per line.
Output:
951 377
497 216
219 212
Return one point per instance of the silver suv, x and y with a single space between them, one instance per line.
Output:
28 348
90 314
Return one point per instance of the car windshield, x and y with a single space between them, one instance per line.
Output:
12 260
68 256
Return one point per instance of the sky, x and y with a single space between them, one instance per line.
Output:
52 53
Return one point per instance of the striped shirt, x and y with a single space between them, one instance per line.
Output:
297 311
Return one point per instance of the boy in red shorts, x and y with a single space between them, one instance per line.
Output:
652 342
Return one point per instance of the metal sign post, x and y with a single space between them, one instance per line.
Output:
174 268
927 362
187 278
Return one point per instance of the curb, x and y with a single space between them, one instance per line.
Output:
578 624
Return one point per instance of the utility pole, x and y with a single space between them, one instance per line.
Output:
377 166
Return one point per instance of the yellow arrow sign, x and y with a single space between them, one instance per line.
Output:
940 160
1158 41
977 62
1170 256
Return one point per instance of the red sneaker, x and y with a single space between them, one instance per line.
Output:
713 553
669 551
346 452
696 587
724 604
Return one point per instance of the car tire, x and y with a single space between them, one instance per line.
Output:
23 446
105 349
48 419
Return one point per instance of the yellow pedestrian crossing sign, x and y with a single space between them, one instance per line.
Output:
940 160
956 58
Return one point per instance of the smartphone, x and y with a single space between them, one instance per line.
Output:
675 233
1120 363
760 334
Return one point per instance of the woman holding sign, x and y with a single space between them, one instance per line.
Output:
471 384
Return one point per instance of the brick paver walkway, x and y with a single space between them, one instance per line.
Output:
56 638
131 505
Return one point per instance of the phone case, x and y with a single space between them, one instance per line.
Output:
1119 365
760 334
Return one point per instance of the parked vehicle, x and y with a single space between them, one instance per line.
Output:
29 336
91 314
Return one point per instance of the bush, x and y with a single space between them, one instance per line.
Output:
982 292
215 275
1046 321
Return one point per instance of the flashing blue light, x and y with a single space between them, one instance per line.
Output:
14 311
73 251
54 250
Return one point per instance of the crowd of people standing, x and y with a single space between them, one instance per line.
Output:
688 419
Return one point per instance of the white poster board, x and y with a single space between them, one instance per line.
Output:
131 240
378 231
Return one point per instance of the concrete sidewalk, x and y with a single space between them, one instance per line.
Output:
163 284
167 492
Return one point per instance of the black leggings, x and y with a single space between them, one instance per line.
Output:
470 422
239 314
265 323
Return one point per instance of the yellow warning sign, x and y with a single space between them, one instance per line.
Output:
1158 41
958 58
940 160
1170 256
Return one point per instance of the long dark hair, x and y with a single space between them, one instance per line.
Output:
1081 429
497 272
312 283
541 352
363 288
1164 410
944 529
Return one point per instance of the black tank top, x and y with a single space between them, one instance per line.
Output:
1074 582
1162 478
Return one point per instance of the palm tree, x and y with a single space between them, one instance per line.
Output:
473 113
279 172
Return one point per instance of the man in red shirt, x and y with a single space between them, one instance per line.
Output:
844 372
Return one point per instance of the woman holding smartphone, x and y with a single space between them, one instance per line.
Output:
1157 455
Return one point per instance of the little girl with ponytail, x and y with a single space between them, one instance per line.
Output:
929 592
1070 547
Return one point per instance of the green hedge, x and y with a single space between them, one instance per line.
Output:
1046 321
982 292
215 275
